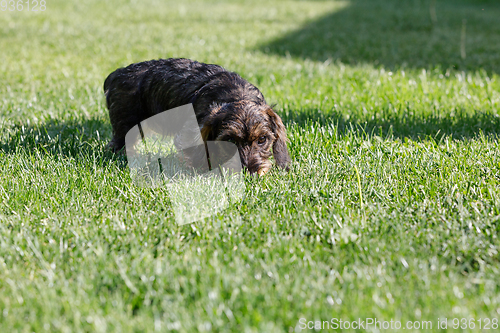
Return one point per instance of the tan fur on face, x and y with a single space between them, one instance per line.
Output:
263 170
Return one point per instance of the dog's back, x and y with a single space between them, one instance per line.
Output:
174 80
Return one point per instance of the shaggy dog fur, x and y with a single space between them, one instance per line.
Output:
227 107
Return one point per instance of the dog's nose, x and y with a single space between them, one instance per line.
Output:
251 168
249 163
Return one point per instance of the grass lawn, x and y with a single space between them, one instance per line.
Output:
390 211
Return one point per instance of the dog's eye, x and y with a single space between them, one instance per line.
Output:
262 140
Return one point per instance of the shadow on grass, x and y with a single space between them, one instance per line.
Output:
445 34
85 140
78 139
458 124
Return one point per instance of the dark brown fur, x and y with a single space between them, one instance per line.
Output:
227 107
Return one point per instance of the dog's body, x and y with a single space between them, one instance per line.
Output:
227 107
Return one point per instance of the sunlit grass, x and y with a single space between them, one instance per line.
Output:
82 249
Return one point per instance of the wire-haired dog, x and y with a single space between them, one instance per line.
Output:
227 107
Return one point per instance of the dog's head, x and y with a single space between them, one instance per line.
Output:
254 128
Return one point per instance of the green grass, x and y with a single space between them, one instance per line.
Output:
390 211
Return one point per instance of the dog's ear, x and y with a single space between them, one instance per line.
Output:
280 150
